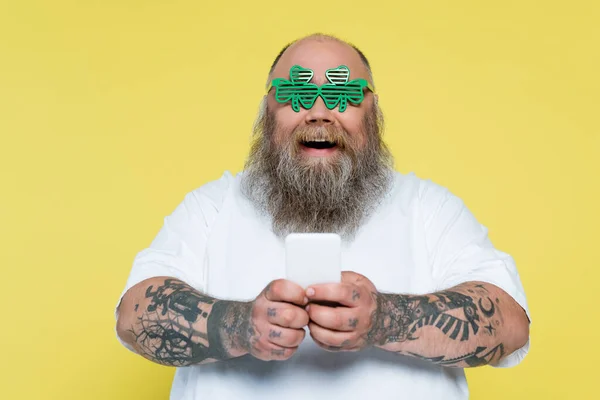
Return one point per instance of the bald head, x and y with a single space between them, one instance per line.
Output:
315 44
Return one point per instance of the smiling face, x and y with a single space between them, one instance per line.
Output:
313 131
318 170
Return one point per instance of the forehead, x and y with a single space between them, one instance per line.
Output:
320 55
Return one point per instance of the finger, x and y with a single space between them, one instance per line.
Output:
346 294
326 347
271 351
286 315
337 319
332 338
334 348
286 291
286 337
282 353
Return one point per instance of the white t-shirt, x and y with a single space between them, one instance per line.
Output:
421 239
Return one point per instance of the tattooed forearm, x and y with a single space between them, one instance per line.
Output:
481 356
402 317
176 325
461 327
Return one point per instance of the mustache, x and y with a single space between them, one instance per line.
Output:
332 134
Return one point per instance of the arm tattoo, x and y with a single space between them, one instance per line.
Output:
168 331
178 297
481 356
458 315
229 326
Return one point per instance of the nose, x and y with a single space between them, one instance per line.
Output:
319 114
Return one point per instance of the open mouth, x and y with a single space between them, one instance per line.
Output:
318 144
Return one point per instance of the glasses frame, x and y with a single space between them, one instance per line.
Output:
300 92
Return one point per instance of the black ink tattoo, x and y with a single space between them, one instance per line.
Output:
170 343
390 320
399 317
435 313
353 322
229 327
278 352
458 314
481 356
271 312
488 312
177 297
355 295
274 334
136 307
342 345
166 332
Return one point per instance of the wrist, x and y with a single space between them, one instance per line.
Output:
390 322
242 329
227 329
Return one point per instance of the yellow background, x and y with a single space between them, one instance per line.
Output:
110 111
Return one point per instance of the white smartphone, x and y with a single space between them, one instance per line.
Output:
312 258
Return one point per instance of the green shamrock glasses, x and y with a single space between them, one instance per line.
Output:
300 92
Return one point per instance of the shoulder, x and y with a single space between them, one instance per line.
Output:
211 195
411 187
423 197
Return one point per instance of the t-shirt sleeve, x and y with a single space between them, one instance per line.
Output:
179 248
460 251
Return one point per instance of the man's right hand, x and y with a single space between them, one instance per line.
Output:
277 321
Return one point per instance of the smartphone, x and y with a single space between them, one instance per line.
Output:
312 258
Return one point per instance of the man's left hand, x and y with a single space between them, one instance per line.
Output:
344 327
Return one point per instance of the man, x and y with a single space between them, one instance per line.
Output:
424 293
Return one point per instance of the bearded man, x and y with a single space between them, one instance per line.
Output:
423 295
